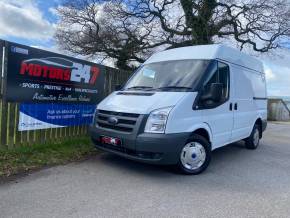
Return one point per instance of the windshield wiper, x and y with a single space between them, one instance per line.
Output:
140 87
173 87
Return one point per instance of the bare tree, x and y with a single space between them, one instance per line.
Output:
90 27
128 31
258 23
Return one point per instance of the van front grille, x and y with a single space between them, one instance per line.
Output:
126 121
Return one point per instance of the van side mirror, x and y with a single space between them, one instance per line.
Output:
214 93
118 87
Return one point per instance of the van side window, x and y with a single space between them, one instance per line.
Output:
224 78
219 73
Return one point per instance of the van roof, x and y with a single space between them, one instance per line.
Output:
209 52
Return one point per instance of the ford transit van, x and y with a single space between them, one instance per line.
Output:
183 103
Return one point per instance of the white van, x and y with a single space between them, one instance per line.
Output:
183 103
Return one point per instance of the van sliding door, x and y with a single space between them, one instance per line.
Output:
244 106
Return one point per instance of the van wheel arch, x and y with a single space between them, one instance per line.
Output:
259 123
202 132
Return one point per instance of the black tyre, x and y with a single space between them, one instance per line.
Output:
253 141
195 156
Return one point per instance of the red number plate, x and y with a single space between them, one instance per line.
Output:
110 140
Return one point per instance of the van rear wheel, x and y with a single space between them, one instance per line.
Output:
195 156
253 141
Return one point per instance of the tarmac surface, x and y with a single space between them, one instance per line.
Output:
238 183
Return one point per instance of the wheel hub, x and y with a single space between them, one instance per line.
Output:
193 155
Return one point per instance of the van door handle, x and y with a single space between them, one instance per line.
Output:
231 106
236 106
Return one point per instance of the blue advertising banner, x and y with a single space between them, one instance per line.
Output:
43 116
45 77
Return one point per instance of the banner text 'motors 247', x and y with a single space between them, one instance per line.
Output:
34 75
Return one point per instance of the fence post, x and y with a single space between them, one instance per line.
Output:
4 127
1 79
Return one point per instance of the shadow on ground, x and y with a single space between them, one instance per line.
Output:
229 152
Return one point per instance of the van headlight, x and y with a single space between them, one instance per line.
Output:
156 122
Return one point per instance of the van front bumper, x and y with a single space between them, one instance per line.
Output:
163 149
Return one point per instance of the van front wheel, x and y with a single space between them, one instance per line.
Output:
195 156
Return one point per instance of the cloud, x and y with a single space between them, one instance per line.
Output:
277 69
269 73
276 65
23 19
52 48
279 84
53 11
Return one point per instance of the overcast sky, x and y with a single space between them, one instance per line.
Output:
32 22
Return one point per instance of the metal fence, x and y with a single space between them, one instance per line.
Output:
9 112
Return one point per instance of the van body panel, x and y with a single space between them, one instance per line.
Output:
140 104
208 52
183 118
248 85
220 120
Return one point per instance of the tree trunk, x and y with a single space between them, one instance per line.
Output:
199 24
122 63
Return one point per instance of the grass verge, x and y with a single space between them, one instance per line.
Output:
27 158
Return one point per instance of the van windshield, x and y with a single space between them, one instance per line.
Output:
177 75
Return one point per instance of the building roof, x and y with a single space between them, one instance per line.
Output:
209 52
275 100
